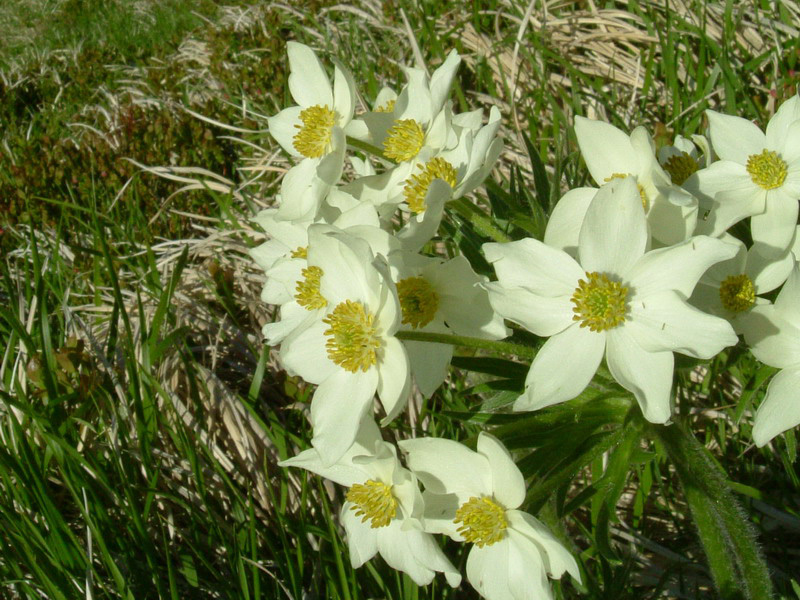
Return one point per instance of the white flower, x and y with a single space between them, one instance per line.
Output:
616 300
383 509
440 297
773 335
758 176
351 353
731 288
474 497
315 130
685 157
611 154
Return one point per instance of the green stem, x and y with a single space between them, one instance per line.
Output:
519 350
728 537
366 147
480 220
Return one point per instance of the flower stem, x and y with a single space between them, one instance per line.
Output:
366 147
480 220
519 350
728 538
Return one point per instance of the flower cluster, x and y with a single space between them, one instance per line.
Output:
630 272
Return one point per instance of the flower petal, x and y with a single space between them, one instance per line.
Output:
734 138
549 381
557 558
666 322
647 375
677 267
445 466
362 540
780 410
564 224
531 264
394 378
723 175
415 553
429 362
304 354
344 93
308 83
773 231
488 570
778 126
772 339
614 232
542 315
508 485
283 128
337 409
607 150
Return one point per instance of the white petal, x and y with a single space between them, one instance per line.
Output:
463 302
563 368
773 231
283 128
305 355
729 207
772 339
778 126
527 578
614 232
414 553
673 216
394 383
606 150
445 466
647 375
557 558
344 93
664 321
508 485
564 225
301 191
442 80
780 409
346 267
677 267
789 297
544 316
488 570
337 408
723 175
429 362
768 273
308 83
791 148
362 540
531 264
734 138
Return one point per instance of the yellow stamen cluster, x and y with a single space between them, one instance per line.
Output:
680 167
404 140
386 108
483 521
600 303
353 341
416 187
373 500
307 290
418 300
640 187
315 133
300 252
767 170
737 293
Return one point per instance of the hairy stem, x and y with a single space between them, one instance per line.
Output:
519 350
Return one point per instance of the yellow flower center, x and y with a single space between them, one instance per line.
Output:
404 140
386 108
483 521
417 185
737 293
307 289
600 303
375 501
353 339
315 133
418 300
767 170
642 193
300 252
680 167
